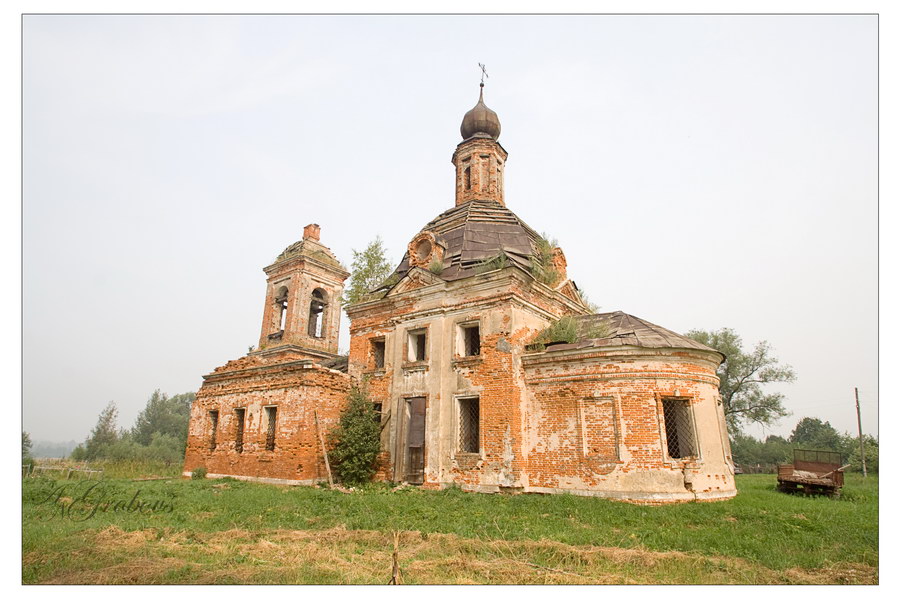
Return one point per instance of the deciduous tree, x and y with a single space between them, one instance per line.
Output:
369 268
742 375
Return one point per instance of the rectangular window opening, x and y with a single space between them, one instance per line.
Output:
214 424
469 417
239 414
680 438
470 340
271 415
377 406
417 345
378 353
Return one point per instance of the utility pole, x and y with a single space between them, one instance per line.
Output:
862 449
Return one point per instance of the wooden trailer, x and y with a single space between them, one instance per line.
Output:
813 472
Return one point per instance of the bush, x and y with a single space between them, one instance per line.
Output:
199 473
356 441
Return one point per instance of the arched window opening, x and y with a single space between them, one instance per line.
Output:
316 313
281 302
467 177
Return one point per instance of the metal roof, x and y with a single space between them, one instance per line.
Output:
478 231
622 329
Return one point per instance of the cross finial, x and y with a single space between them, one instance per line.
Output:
483 73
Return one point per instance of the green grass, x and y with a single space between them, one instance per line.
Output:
766 528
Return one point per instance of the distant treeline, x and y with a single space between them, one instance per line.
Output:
53 449
813 434
159 432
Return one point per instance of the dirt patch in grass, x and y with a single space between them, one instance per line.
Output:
338 555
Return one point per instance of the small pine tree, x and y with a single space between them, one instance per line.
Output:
356 441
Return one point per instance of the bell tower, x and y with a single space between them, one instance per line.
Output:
479 159
303 299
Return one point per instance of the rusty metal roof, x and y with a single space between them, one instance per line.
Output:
621 329
478 231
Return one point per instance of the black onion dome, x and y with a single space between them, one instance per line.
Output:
480 119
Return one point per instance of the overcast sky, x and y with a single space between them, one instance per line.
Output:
698 171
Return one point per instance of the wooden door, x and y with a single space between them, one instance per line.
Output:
415 441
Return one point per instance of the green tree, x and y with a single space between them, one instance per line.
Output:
356 441
165 416
369 268
814 434
102 436
742 375
26 449
853 457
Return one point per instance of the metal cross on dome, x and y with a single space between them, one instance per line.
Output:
483 73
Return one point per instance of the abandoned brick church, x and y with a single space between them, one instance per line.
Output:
628 410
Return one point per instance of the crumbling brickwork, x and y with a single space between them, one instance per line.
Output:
445 349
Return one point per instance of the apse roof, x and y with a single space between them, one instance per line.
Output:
622 329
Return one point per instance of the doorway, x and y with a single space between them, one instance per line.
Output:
414 449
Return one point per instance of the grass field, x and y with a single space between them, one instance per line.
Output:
228 531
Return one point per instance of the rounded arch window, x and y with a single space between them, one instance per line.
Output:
281 306
317 305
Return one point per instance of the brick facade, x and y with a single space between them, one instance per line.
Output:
630 411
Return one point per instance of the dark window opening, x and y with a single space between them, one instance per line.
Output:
680 440
377 409
467 177
471 340
239 414
378 353
316 316
271 415
417 345
468 425
214 424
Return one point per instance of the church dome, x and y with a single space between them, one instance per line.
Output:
480 119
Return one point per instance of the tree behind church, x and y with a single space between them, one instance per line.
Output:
164 416
741 377
369 268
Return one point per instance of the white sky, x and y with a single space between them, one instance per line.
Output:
698 171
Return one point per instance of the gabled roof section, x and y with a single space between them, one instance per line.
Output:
621 329
415 278
475 232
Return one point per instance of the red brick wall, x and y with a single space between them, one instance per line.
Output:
297 390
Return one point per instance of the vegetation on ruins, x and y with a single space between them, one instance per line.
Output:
436 266
594 308
742 375
494 263
542 267
369 268
564 330
356 441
